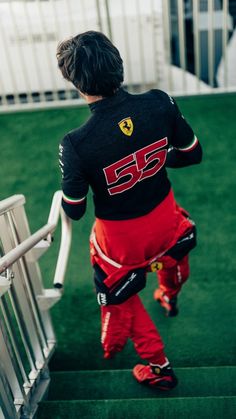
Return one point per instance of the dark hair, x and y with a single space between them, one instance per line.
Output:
92 63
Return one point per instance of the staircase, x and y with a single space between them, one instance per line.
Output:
202 393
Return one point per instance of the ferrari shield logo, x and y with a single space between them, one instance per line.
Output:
126 126
156 266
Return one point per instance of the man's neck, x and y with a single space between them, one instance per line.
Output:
90 98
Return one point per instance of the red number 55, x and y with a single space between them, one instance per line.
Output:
140 165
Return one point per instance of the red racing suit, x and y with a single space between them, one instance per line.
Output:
135 243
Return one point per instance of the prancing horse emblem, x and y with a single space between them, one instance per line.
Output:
126 126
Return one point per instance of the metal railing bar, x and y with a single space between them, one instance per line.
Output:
11 202
19 292
21 58
166 39
22 330
22 321
21 249
55 209
13 255
10 366
32 267
182 46
211 34
11 332
85 15
9 65
70 14
6 397
197 57
47 52
154 40
63 251
225 7
33 307
28 288
58 31
127 45
98 8
107 8
141 49
33 50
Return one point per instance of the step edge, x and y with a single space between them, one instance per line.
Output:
135 400
233 367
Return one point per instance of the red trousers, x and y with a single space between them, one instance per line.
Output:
132 242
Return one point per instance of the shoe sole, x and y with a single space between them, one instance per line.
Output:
156 386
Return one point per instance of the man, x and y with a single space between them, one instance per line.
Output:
122 153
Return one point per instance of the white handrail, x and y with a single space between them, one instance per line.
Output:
63 251
55 209
24 298
55 212
20 250
11 202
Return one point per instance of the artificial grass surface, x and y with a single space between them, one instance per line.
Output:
171 408
204 331
120 384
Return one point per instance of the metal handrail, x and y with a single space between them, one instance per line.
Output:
11 257
11 202
43 233
25 303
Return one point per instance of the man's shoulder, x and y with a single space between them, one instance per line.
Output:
80 133
153 95
149 94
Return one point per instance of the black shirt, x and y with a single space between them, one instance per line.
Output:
120 152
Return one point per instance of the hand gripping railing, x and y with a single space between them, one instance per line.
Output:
27 340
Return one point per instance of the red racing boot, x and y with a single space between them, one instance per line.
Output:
170 305
160 377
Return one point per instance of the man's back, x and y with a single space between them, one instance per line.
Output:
121 152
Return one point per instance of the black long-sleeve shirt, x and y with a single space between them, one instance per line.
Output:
121 152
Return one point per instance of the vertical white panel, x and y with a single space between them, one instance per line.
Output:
141 46
211 42
49 54
182 44
7 68
70 17
63 85
225 41
127 51
9 366
11 333
197 56
167 44
85 8
23 66
107 7
99 16
38 84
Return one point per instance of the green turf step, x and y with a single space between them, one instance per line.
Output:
171 408
120 384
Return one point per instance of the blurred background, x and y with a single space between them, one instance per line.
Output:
183 46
